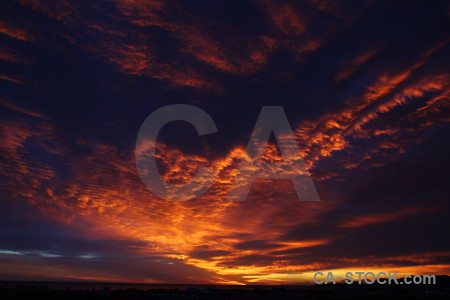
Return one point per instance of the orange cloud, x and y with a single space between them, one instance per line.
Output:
15 32
237 242
361 221
356 63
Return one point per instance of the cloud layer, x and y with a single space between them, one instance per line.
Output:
368 101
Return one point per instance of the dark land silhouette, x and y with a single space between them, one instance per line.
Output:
89 290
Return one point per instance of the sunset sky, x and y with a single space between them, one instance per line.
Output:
365 86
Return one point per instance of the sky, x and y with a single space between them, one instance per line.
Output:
366 89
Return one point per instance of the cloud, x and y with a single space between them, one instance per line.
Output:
363 108
15 32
